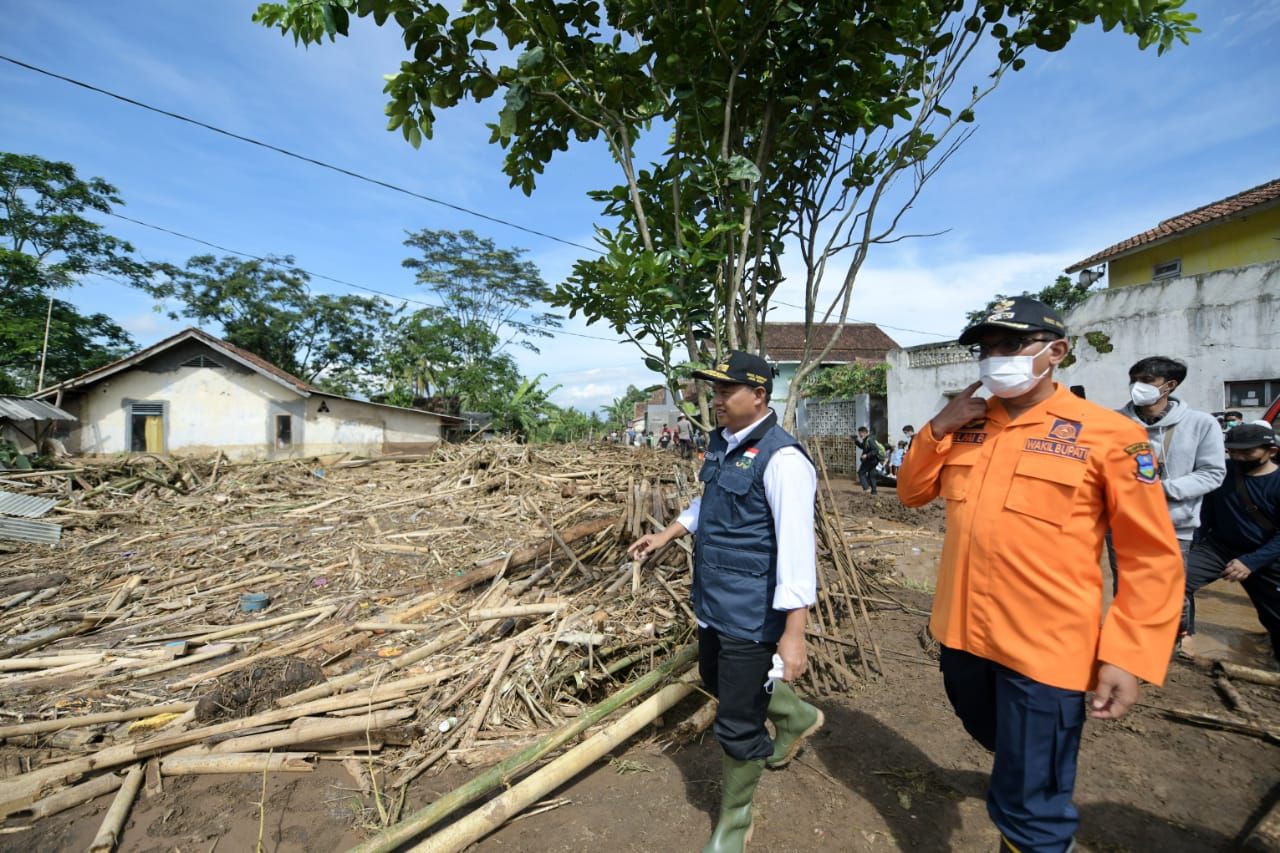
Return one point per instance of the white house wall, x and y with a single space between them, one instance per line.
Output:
1225 325
921 380
212 409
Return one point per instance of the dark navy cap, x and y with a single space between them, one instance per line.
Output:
1019 314
742 368
1249 436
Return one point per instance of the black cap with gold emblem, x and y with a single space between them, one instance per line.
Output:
742 368
1019 314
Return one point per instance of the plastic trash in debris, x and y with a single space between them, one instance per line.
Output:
445 725
775 674
251 601
320 581
318 473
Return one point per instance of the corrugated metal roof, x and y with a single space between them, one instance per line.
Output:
23 409
25 506
22 530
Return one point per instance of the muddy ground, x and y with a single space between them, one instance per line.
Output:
891 770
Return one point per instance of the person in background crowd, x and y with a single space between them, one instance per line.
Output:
1032 478
754 579
908 435
1187 443
870 455
664 440
895 462
1239 535
684 436
1233 420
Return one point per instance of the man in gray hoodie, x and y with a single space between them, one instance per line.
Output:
1187 444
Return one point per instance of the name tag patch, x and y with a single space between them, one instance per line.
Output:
966 437
1057 448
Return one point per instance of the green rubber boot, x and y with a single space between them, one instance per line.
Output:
793 721
733 830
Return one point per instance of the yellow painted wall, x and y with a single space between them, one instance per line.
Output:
1251 240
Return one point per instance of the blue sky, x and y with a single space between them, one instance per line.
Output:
1081 149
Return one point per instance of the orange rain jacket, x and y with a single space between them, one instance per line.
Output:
1028 504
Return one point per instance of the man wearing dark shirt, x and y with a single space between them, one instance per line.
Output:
1239 534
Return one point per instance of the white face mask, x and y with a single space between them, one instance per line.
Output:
1143 394
1012 375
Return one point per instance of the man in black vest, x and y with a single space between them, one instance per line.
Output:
754 578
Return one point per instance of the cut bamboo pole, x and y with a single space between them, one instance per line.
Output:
40 726
415 824
486 613
177 663
304 731
485 701
250 627
1248 673
71 797
113 822
238 762
470 829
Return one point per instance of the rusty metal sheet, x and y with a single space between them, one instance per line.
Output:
24 530
23 409
24 506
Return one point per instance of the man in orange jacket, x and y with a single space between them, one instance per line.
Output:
1033 478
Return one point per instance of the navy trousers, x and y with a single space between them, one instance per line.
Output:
1034 731
734 671
1208 559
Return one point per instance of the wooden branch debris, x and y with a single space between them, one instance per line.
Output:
474 607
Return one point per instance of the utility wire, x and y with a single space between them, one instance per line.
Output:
349 173
286 152
556 330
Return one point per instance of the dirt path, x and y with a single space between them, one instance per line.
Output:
892 769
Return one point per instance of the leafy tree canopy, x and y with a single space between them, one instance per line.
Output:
47 244
848 380
808 126
1063 295
267 307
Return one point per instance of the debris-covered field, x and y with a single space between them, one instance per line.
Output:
439 629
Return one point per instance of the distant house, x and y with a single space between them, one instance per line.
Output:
1236 231
27 424
1202 286
196 394
784 346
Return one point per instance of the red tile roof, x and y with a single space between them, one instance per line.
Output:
1227 208
857 342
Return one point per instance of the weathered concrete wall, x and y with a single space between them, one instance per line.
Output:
205 409
208 409
921 380
1225 325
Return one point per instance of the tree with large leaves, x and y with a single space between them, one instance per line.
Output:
811 127
47 245
267 307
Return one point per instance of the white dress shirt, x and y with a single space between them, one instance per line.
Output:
790 484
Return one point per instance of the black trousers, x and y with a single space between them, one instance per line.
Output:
734 671
1205 566
867 475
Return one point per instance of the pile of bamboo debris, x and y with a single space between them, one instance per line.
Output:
475 607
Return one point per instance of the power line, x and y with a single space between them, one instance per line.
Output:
515 323
286 152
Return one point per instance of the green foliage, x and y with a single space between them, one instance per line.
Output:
268 308
847 380
527 413
786 123
1063 295
47 244
459 348
1100 341
621 412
